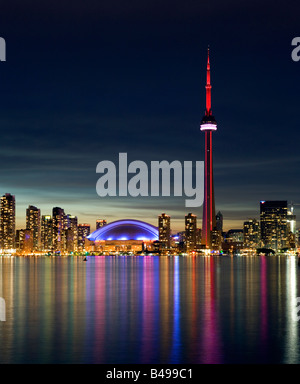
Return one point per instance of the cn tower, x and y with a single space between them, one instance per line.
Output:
208 126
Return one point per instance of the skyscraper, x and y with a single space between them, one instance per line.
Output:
33 223
100 223
251 233
273 224
24 241
208 126
190 232
219 222
83 232
164 231
7 221
47 233
72 224
59 225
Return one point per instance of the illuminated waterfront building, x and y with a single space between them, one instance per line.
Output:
7 221
72 224
234 235
24 241
273 224
198 237
233 240
164 228
216 239
125 236
219 222
83 232
59 225
33 222
70 240
190 232
46 232
208 126
291 221
100 223
251 234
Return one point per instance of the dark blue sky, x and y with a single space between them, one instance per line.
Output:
85 80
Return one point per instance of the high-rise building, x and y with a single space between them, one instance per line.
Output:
24 241
164 229
219 222
208 126
46 233
216 240
83 232
59 225
190 232
72 223
234 235
198 237
291 220
273 224
100 223
7 221
70 240
251 234
33 223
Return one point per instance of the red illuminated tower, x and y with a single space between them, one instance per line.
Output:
208 125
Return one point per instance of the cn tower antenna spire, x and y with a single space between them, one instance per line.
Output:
208 111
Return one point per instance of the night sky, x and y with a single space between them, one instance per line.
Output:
85 80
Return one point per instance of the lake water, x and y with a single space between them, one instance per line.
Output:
150 309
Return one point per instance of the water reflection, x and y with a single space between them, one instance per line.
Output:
150 310
291 355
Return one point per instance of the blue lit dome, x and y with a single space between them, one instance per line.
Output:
126 230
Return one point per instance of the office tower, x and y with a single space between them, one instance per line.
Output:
100 223
7 221
190 232
33 223
46 233
83 231
208 126
234 235
219 222
251 234
164 231
58 225
216 239
291 220
273 224
70 240
24 241
198 237
19 238
72 223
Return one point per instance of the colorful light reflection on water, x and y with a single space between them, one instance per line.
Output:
150 310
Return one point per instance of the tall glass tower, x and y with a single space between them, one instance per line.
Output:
7 221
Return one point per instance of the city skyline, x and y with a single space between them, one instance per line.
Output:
177 221
138 78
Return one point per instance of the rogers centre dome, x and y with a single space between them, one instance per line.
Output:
125 230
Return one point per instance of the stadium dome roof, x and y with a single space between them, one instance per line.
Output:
125 230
